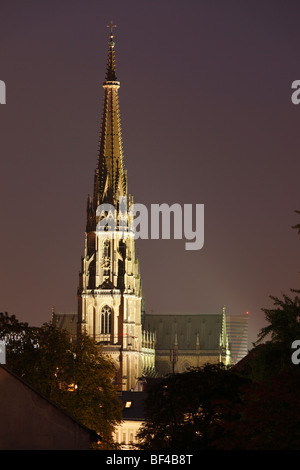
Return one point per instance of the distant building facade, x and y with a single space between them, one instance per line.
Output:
172 342
188 340
237 330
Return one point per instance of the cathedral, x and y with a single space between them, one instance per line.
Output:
110 298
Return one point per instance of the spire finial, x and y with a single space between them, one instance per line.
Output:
111 67
111 26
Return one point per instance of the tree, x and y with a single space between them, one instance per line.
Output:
94 401
37 355
75 376
268 416
284 320
283 328
186 411
21 342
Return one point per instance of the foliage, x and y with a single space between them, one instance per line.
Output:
284 320
270 357
21 344
268 416
283 327
75 376
185 411
94 401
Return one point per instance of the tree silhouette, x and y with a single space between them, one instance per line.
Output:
186 411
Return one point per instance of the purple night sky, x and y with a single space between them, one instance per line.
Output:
207 118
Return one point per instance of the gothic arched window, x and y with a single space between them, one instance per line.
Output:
106 320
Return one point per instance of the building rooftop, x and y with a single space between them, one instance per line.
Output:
133 403
190 331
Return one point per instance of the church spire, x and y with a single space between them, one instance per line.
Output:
110 175
111 74
109 292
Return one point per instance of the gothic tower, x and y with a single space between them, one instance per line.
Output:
109 293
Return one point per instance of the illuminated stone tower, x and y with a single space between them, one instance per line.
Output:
109 294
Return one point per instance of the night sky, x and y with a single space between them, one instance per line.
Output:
207 118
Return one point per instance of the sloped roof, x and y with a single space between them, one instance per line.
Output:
189 329
66 321
134 411
33 405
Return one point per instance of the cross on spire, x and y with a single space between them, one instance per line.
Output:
111 26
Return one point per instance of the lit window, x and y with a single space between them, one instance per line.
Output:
128 404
